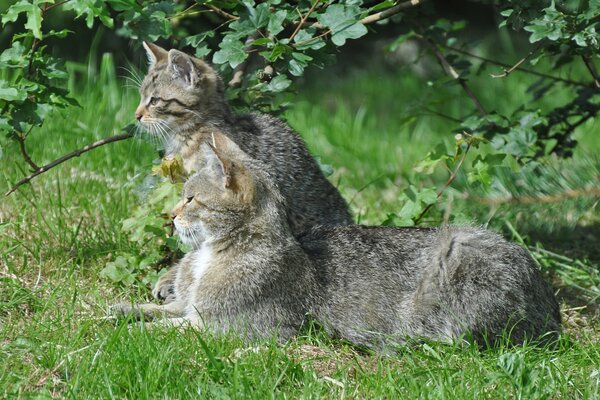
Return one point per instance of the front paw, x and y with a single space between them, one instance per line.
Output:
122 311
164 288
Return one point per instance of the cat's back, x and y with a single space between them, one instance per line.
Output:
311 198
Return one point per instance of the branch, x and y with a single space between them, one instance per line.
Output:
528 71
21 139
66 157
451 179
453 74
221 12
545 198
303 20
590 66
518 64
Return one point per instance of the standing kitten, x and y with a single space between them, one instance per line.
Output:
374 286
183 102
247 273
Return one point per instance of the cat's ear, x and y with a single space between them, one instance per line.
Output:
182 67
219 167
154 53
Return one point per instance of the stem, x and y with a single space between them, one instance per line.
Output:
453 74
221 12
518 64
590 66
451 179
21 139
76 153
303 20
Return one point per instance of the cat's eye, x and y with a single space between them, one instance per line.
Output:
153 101
189 199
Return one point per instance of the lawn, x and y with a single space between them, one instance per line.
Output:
57 234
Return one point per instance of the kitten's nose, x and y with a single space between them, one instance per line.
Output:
138 115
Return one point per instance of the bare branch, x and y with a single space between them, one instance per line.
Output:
390 11
451 179
66 157
590 66
518 64
453 73
21 139
221 12
528 71
303 20
593 191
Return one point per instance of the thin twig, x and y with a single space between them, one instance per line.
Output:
518 64
66 157
221 12
368 19
546 198
590 66
303 20
51 6
451 179
21 139
528 71
454 74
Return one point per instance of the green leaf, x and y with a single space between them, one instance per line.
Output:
13 57
278 84
275 24
117 271
34 15
344 23
259 16
11 93
232 52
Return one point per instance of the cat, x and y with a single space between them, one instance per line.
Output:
183 102
247 272
373 286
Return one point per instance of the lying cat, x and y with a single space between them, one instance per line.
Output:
183 103
374 286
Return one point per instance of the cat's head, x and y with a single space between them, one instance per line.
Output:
178 93
220 197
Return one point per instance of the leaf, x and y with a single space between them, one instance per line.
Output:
259 16
275 24
278 84
344 23
117 271
11 93
13 57
232 52
34 15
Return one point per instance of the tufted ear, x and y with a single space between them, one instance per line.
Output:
220 168
155 53
182 67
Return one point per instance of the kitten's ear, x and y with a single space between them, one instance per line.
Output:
218 166
182 67
154 53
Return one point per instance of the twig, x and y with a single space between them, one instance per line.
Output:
303 20
528 71
66 157
518 64
590 66
21 139
221 12
451 179
368 19
546 198
453 74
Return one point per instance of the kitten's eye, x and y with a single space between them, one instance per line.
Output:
189 199
153 101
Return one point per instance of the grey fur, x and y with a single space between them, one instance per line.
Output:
374 286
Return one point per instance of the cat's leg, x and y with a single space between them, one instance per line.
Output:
164 290
149 311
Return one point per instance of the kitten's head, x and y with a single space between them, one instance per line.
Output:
220 197
178 93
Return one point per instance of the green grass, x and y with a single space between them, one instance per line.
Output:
57 234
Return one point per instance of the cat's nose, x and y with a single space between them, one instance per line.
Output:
138 115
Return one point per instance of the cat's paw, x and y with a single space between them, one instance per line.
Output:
121 310
164 289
